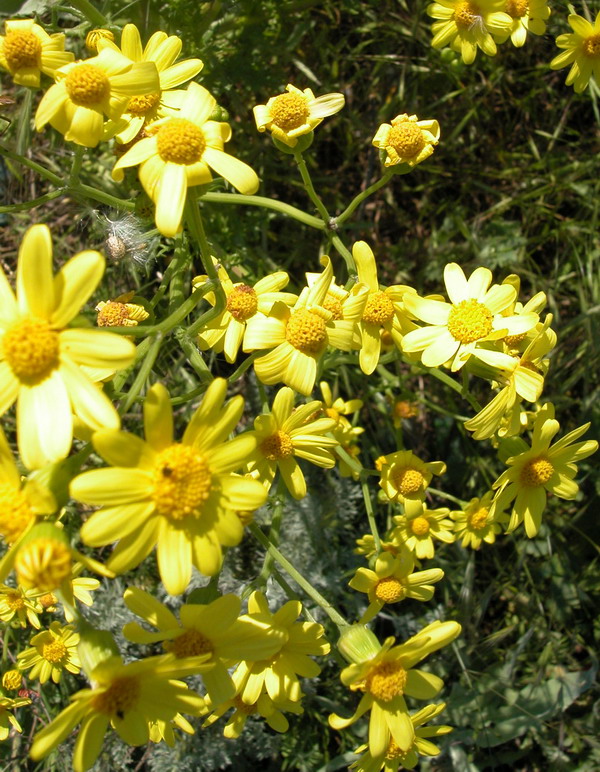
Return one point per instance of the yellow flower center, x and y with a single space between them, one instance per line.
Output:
182 482
190 644
333 305
289 111
408 480
379 309
407 139
142 105
386 681
12 679
517 8
120 697
47 600
469 321
22 49
390 590
536 472
31 349
113 314
276 446
306 331
15 512
419 526
180 142
405 409
394 751
241 706
87 85
466 14
242 302
54 652
14 601
43 563
478 520
591 46
514 340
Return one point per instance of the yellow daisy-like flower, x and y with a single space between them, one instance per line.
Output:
539 469
407 140
163 50
419 526
386 676
129 698
42 360
287 433
27 50
120 312
298 336
181 497
466 25
474 524
290 115
405 476
22 603
212 628
581 51
393 580
177 155
7 721
52 651
278 674
87 92
226 332
528 16
474 315
383 313
338 408
365 545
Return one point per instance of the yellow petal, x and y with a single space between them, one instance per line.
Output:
74 284
35 291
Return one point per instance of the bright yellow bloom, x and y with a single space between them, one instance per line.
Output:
129 698
41 359
12 680
163 50
179 496
386 677
474 315
299 336
177 155
86 92
474 524
582 52
527 16
7 721
383 312
540 469
466 25
94 36
289 116
22 603
53 651
226 331
405 476
407 140
286 433
393 580
120 312
27 50
212 628
419 526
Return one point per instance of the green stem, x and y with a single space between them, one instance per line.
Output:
448 496
309 187
176 284
27 205
445 378
370 515
265 203
194 357
121 377
38 168
246 364
92 14
76 166
142 375
274 531
346 254
334 615
87 191
362 196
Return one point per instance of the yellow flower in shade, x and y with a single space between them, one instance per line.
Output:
27 50
242 302
87 92
120 312
474 525
129 698
383 311
7 721
290 115
473 316
298 336
386 677
12 680
395 758
338 408
393 580
212 628
162 50
419 526
405 476
402 410
287 433
20 504
527 16
164 730
20 603
538 469
179 496
407 140
52 651
41 359
581 51
94 36
177 155
365 545
279 672
466 25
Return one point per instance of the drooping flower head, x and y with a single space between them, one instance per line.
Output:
581 51
27 50
407 140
